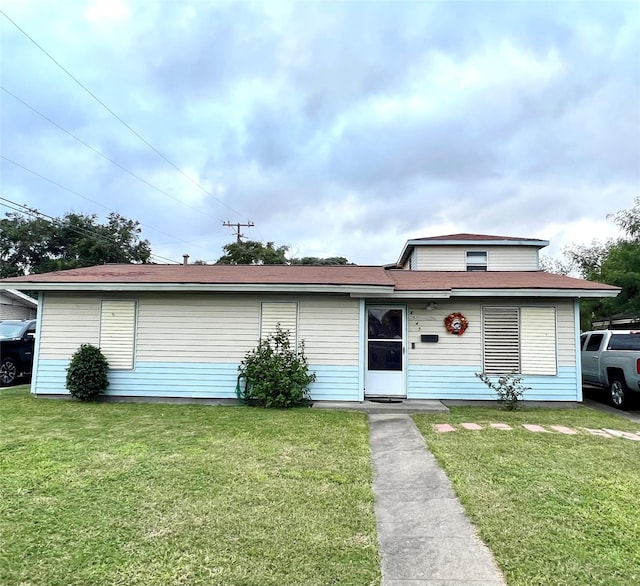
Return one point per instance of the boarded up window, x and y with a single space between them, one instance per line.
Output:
520 340
283 313
117 333
501 340
538 340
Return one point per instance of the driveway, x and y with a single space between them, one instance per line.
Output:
596 398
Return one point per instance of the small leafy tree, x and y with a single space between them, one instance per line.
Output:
275 375
87 373
508 387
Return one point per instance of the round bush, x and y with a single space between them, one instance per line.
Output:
275 374
87 373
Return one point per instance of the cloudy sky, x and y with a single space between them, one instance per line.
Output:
338 128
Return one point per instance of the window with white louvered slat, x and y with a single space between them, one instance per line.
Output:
284 313
501 334
117 333
519 340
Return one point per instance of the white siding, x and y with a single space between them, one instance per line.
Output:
203 327
15 311
453 258
330 328
538 340
197 327
12 308
284 313
66 321
466 350
565 333
118 333
450 349
440 258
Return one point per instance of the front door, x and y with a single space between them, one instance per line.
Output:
384 374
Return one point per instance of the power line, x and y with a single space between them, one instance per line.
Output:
100 153
8 160
97 99
57 222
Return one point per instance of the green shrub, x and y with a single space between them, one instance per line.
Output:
87 373
274 374
508 388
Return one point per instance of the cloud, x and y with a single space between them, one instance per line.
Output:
338 128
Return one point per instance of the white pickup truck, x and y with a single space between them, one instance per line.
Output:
611 359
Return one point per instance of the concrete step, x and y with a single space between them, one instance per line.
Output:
381 406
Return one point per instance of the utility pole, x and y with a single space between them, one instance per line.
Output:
236 228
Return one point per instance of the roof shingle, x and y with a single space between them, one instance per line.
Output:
445 280
472 237
350 275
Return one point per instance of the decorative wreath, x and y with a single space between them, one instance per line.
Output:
456 323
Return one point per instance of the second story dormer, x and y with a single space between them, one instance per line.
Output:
471 252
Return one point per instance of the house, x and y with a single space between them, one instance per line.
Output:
452 306
16 305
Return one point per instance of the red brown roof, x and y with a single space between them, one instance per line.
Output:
307 277
473 237
216 274
446 280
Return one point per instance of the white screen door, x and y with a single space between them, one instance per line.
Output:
384 374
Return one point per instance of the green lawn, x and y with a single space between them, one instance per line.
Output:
554 509
131 494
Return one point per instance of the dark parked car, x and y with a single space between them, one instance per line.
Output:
16 349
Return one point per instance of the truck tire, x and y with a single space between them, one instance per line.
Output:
8 371
619 393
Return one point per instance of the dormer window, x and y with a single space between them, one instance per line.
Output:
476 260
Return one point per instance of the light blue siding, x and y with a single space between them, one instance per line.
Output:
447 382
336 383
195 380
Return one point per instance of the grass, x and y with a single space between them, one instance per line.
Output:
554 509
132 494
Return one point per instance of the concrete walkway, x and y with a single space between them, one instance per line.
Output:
424 535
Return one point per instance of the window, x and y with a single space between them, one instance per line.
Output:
118 333
520 340
625 341
476 260
501 340
538 340
593 345
284 313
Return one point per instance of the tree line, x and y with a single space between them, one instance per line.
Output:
30 245
615 262
36 245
